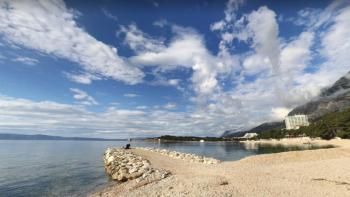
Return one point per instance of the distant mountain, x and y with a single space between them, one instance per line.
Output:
333 99
7 136
258 129
336 98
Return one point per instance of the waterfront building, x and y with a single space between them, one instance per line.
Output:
296 121
250 135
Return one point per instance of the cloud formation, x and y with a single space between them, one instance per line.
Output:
82 97
50 27
131 95
26 60
228 89
187 50
26 116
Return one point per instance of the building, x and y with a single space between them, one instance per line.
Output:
250 135
296 121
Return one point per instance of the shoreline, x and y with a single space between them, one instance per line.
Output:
320 172
299 142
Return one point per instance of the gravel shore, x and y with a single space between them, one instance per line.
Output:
322 172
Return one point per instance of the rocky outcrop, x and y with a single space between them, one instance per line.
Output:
184 156
123 165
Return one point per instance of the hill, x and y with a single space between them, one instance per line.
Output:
258 129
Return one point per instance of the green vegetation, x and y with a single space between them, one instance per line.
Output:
336 124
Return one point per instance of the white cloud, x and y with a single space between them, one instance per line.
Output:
142 107
139 41
230 15
160 23
82 97
131 95
263 29
108 14
279 113
280 83
170 106
254 64
336 40
217 26
50 27
26 60
296 55
26 116
275 66
85 78
174 82
187 49
162 81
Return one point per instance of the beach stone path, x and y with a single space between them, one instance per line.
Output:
122 165
184 156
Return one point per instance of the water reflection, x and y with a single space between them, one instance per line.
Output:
251 146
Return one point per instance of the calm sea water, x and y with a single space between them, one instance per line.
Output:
75 168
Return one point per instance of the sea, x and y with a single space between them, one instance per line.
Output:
35 168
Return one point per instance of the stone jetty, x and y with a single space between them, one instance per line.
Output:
122 165
184 156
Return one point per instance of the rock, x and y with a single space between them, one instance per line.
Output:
132 170
135 175
110 160
115 176
122 166
122 177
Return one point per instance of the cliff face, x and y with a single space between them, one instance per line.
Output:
333 99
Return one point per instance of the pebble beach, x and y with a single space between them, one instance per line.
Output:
321 172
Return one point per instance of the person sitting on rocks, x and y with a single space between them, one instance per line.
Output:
127 146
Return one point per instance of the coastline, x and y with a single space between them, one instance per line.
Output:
298 142
321 172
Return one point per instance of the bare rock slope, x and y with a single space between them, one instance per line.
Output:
333 99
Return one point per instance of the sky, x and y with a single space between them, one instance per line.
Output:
120 69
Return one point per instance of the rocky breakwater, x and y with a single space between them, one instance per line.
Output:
122 165
184 156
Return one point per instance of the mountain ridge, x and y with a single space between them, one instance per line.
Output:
335 98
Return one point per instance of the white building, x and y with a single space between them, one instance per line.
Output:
296 121
250 135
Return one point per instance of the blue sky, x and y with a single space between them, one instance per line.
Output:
147 68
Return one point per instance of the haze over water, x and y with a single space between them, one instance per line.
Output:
75 168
